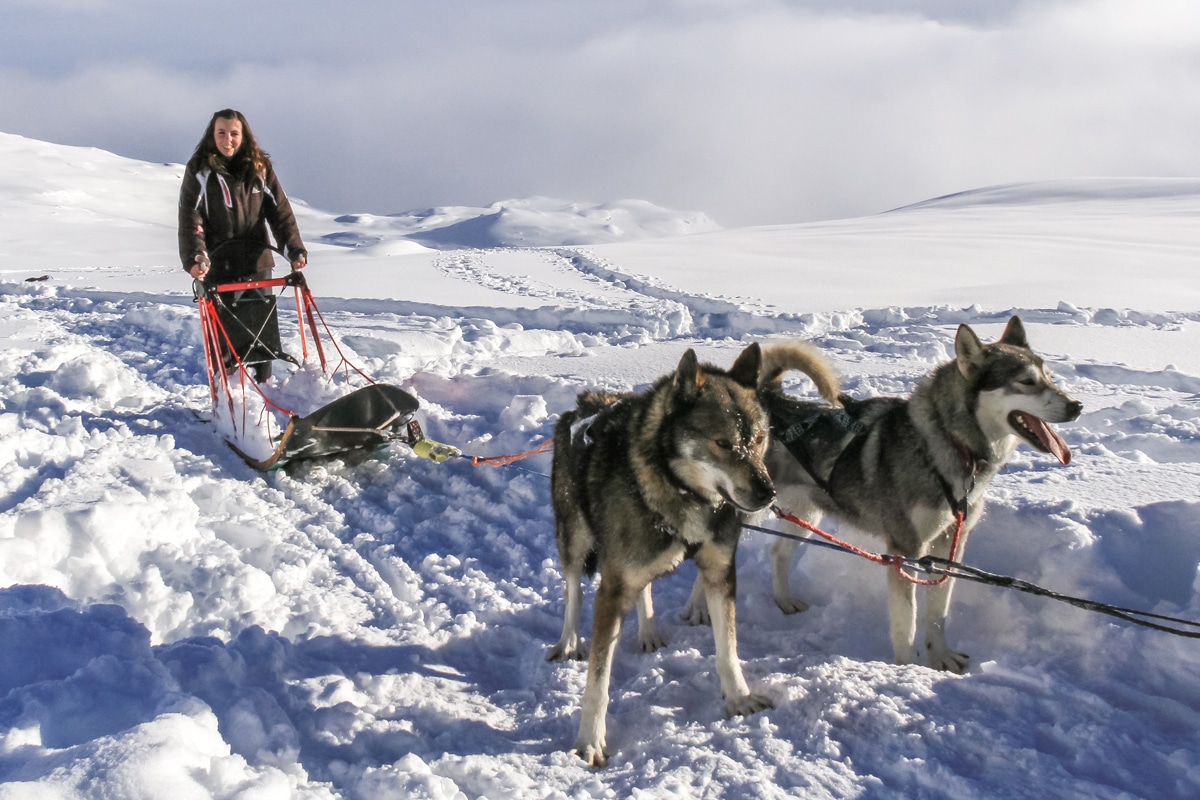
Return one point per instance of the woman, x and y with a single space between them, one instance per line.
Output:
229 199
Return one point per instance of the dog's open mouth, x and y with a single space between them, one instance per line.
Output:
1035 431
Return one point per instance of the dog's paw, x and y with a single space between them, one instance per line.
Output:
696 614
567 652
791 605
592 753
747 704
949 661
651 640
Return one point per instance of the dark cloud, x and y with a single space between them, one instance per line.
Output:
752 111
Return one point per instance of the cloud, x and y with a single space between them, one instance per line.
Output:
751 111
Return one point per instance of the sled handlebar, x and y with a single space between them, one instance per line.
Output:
204 288
293 278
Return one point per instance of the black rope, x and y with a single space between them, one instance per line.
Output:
943 566
933 565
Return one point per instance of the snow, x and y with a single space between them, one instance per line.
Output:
178 625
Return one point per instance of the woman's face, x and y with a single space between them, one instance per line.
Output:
227 134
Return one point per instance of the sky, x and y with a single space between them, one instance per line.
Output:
752 111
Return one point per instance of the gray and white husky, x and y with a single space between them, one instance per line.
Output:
901 468
641 481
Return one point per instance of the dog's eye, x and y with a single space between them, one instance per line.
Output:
724 444
1027 382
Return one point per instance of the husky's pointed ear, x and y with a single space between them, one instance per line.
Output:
688 375
1014 333
747 366
968 350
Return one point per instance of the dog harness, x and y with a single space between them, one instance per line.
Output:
818 437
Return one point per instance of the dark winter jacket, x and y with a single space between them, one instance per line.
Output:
216 207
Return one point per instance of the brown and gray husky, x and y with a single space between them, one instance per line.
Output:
639 483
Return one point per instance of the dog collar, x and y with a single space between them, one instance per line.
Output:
969 459
972 463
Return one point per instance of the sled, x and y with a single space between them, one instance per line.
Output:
240 329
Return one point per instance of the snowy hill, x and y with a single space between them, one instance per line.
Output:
119 205
531 222
177 625
1105 195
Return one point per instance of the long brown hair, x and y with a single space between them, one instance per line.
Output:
248 160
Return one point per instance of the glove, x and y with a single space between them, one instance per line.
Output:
201 267
298 256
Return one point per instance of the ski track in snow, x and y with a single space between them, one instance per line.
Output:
376 626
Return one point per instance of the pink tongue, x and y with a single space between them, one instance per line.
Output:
1049 438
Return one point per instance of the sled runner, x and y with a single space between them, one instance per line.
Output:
239 324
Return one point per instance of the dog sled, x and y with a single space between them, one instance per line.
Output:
239 324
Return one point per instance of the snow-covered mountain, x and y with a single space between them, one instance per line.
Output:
529 222
177 625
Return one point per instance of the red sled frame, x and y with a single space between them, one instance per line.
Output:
387 408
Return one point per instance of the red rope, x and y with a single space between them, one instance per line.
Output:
887 560
310 308
503 461
214 334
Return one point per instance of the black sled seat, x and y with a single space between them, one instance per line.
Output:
365 419
250 318
245 307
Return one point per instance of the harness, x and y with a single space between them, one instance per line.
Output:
813 433
820 437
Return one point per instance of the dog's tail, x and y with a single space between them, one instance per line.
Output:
780 358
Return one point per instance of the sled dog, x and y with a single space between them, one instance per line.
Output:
901 468
642 481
